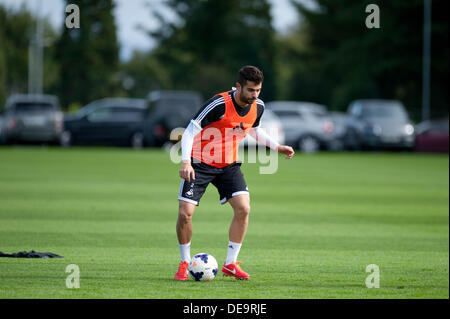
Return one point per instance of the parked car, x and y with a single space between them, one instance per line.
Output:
272 126
169 110
375 124
432 136
32 118
339 121
307 126
108 121
1 126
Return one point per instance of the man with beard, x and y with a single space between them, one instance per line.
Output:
209 153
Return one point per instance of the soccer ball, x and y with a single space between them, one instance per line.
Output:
203 267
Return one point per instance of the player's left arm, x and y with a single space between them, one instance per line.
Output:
286 150
262 137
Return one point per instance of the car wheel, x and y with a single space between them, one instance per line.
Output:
137 140
66 139
4 140
309 144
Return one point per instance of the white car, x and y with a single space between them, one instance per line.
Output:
32 117
271 124
307 126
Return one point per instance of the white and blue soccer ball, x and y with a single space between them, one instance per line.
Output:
203 267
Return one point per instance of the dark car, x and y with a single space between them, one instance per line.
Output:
31 118
109 121
432 136
376 124
169 110
340 126
1 126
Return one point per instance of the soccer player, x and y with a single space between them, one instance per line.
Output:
209 148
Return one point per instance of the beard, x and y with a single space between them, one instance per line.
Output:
249 100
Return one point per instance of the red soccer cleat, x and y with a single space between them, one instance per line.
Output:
182 273
235 270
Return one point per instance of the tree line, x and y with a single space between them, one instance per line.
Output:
329 57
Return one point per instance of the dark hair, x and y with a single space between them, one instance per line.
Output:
250 73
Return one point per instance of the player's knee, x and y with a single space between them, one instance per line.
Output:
185 214
242 211
184 217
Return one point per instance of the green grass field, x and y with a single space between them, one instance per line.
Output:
314 227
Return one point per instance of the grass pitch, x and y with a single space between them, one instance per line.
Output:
314 227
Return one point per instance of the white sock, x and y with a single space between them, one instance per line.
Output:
232 252
185 252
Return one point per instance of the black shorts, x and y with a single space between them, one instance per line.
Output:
228 180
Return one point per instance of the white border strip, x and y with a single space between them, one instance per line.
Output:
188 200
239 193
224 200
181 187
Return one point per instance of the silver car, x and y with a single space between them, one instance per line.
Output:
307 126
32 118
376 123
271 124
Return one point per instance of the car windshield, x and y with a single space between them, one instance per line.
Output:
33 107
175 109
286 113
176 104
86 110
384 110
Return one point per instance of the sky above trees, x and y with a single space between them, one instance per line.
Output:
130 13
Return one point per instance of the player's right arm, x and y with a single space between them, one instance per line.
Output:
187 141
187 172
211 111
